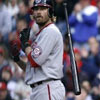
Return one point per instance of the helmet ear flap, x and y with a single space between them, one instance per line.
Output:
50 11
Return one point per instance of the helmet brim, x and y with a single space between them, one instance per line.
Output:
41 5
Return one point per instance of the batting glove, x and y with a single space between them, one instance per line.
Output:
24 38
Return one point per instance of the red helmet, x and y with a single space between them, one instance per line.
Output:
45 3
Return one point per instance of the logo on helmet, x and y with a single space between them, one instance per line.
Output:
37 1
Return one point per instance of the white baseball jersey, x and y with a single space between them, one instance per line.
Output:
47 53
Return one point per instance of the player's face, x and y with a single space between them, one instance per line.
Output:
41 15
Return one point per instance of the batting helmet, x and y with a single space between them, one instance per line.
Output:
44 3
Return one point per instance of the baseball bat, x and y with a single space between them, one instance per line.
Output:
75 76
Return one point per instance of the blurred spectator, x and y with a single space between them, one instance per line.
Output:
66 57
84 52
94 50
96 81
60 14
84 95
31 3
95 93
70 6
18 89
80 64
78 59
86 67
4 95
5 22
67 79
22 91
59 10
3 61
98 22
86 84
93 2
13 7
90 69
20 25
70 96
6 74
83 22
23 12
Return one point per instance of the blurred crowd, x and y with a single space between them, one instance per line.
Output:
84 21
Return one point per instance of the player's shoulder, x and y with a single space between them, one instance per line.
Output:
53 29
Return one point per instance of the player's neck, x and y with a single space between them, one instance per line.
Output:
41 26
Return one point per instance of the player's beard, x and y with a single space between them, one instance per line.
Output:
43 21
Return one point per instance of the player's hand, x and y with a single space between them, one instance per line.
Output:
15 48
24 38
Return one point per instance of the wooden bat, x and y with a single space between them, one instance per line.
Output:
75 76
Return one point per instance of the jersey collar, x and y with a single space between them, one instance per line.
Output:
43 28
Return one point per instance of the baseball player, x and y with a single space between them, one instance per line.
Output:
45 55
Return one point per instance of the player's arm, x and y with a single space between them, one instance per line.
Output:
21 64
45 47
15 52
38 55
24 38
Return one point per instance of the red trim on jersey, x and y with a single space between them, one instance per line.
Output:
49 92
33 63
43 28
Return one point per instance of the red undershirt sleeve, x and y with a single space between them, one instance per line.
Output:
32 62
